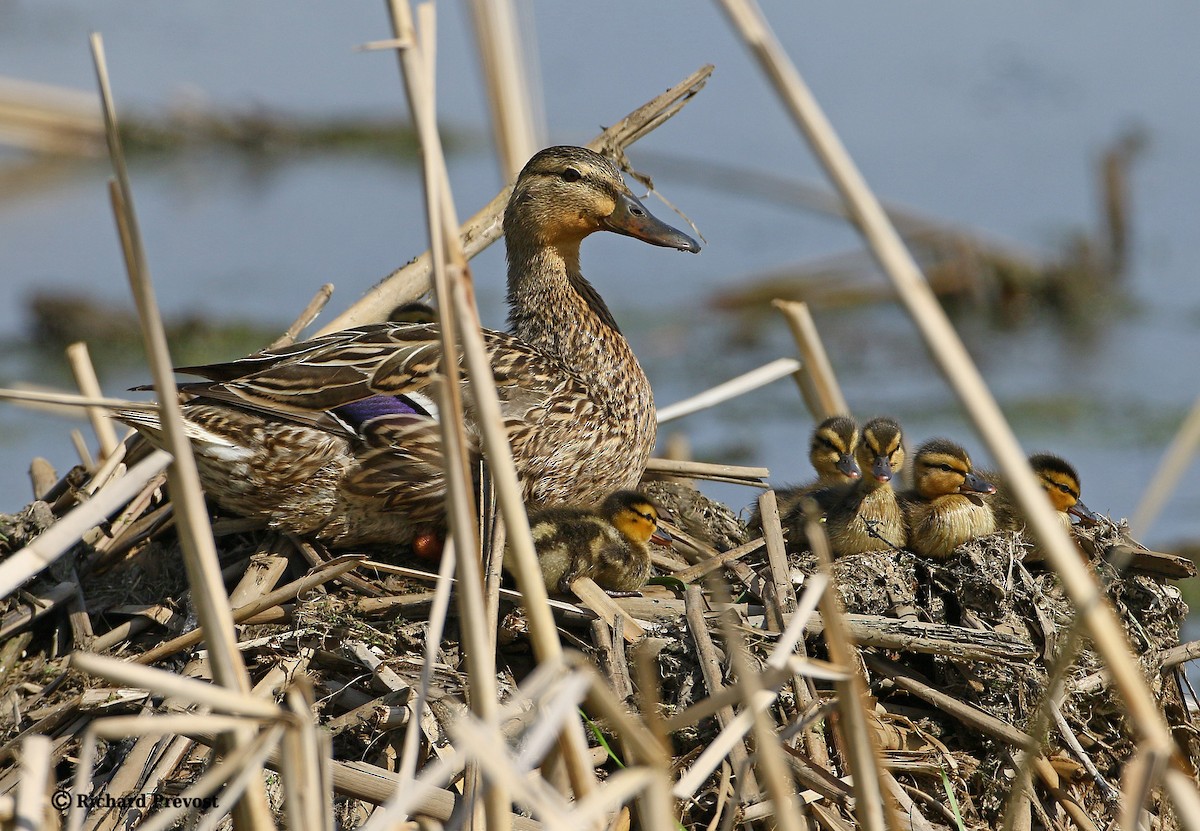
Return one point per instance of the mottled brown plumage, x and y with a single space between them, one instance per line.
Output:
607 544
336 437
863 516
944 508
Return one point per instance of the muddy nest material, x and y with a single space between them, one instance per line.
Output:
951 650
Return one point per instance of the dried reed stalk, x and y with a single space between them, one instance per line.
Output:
307 316
742 384
818 385
67 399
416 66
412 280
30 805
873 805
946 347
1176 459
507 77
195 535
89 386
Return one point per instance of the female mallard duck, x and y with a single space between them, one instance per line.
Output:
863 516
831 452
944 510
337 436
1062 485
607 544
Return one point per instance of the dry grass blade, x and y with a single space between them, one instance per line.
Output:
328 572
314 307
742 384
67 399
946 347
707 470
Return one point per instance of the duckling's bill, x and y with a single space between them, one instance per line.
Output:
848 467
1084 513
631 218
976 484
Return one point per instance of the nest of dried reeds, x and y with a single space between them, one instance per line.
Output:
958 657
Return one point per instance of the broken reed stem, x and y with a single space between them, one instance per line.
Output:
873 805
806 699
195 535
742 384
1175 462
410 281
89 385
818 385
314 307
951 356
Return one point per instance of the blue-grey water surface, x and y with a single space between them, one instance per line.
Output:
990 116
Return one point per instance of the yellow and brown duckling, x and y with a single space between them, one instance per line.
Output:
1062 485
865 515
945 509
831 452
608 543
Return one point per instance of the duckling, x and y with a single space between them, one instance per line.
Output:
865 515
943 510
1062 485
831 452
607 543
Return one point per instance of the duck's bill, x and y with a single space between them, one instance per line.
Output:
848 467
631 218
1083 512
661 537
975 484
881 469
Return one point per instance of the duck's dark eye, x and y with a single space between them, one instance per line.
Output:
571 175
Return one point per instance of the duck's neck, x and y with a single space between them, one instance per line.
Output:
551 306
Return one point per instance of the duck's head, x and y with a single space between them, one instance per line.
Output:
881 451
635 515
834 442
1061 483
942 467
565 193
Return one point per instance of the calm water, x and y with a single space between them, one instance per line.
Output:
990 117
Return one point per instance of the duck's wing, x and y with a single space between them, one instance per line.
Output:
389 359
